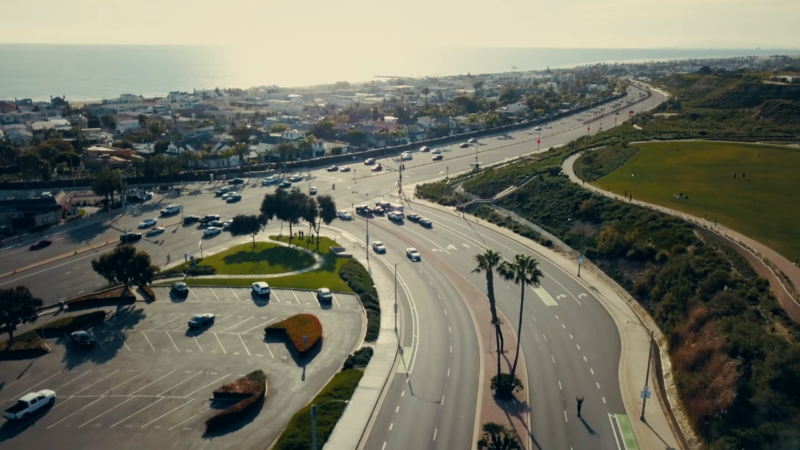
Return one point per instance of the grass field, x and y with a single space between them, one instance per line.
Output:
762 205
265 258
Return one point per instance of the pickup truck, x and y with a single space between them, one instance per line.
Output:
29 403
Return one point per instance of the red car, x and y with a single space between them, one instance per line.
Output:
41 244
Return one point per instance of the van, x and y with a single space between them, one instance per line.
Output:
396 207
171 209
383 204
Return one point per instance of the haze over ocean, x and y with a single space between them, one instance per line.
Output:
91 72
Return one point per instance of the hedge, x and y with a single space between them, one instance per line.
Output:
295 328
359 359
252 387
113 296
298 432
72 323
360 281
26 345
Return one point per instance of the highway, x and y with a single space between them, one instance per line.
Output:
570 343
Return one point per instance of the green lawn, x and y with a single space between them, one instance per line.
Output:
763 205
265 258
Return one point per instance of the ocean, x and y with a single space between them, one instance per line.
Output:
92 72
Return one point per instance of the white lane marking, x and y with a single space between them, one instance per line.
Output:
565 416
270 351
384 444
559 386
295 297
76 412
152 382
173 387
37 384
434 433
198 344
245 347
445 312
190 418
148 341
402 394
337 301
534 318
451 349
584 358
604 400
553 358
87 387
68 382
137 412
220 344
168 413
397 409
614 431
563 326
129 379
234 294
50 268
251 329
579 347
544 296
123 340
598 385
237 324
545 337
209 384
442 401
215 294
173 342
161 325
590 370
570 336
104 413
449 330
448 376
195 295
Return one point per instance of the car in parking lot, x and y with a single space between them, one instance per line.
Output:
312 190
345 169
344 215
413 254
147 223
437 157
233 198
171 209
369 161
285 184
130 236
261 288
180 288
201 320
425 222
82 339
296 178
212 231
413 217
41 244
236 181
395 215
30 403
473 141
154 231
209 218
464 145
190 219
221 191
333 169
537 129
378 247
324 294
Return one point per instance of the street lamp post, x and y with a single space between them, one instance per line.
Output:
646 392
314 420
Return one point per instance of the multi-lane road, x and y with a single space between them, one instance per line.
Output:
570 343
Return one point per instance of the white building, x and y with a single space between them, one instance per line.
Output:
124 126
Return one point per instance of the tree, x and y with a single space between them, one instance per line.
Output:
285 149
523 271
187 157
498 437
285 207
140 168
161 146
107 182
172 165
142 120
109 121
355 137
241 149
17 306
125 265
155 128
247 224
327 212
310 213
426 92
488 263
278 128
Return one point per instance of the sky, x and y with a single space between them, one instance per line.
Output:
271 27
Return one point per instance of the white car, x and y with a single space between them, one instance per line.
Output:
413 254
424 149
312 190
221 191
395 215
473 141
212 231
227 224
436 151
146 223
344 215
261 288
269 181
154 231
406 156
378 247
324 294
537 129
227 195
345 169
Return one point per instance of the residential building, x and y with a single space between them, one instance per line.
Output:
99 156
124 126
19 137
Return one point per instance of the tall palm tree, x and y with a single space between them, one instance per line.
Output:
187 157
140 168
241 149
426 92
172 165
488 262
523 271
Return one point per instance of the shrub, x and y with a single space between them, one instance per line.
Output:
295 328
72 323
200 270
359 359
26 345
504 385
251 387
360 281
112 296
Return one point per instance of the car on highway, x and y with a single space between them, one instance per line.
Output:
285 184
437 158
154 231
473 141
227 195
296 178
212 231
221 191
464 145
377 168
41 244
345 169
312 190
30 403
395 215
147 195
537 129
425 149
171 209
425 222
406 156
378 209
369 161
261 288
413 217
190 219
364 211
378 247
233 198
324 294
201 320
236 181
215 223
227 224
134 198
333 169
180 288
436 151
268 181
130 236
147 223
209 218
82 339
413 254
344 215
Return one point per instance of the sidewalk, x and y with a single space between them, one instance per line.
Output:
657 431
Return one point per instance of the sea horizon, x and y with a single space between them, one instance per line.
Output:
94 72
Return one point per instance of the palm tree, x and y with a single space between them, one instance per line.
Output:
140 168
498 437
202 156
142 120
488 262
187 157
107 182
426 92
172 165
241 149
226 155
523 271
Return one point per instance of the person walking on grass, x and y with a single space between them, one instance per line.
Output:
580 404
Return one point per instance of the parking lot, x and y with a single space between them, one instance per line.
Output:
149 379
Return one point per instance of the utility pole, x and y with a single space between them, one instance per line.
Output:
646 391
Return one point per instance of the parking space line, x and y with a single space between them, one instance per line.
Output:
76 412
232 326
147 320
190 418
129 379
184 381
220 344
37 384
209 384
273 294
295 297
123 340
171 320
152 382
68 382
106 412
173 342
269 350
337 301
179 328
195 295
251 329
215 294
97 340
168 413
137 412
234 294
198 344
245 347
148 341
101 379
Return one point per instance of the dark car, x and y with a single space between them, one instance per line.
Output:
233 199
437 157
413 217
364 211
82 339
130 236
201 320
285 184
209 218
190 219
236 181
180 288
135 198
333 168
41 244
378 210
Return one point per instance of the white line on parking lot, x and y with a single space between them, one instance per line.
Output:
209 384
168 413
251 329
215 294
270 351
134 317
220 344
148 341
198 344
37 384
129 379
123 340
137 412
173 342
68 382
184 381
190 418
295 297
101 379
245 347
234 294
104 413
337 301
76 412
171 320
152 382
274 294
97 340
232 326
